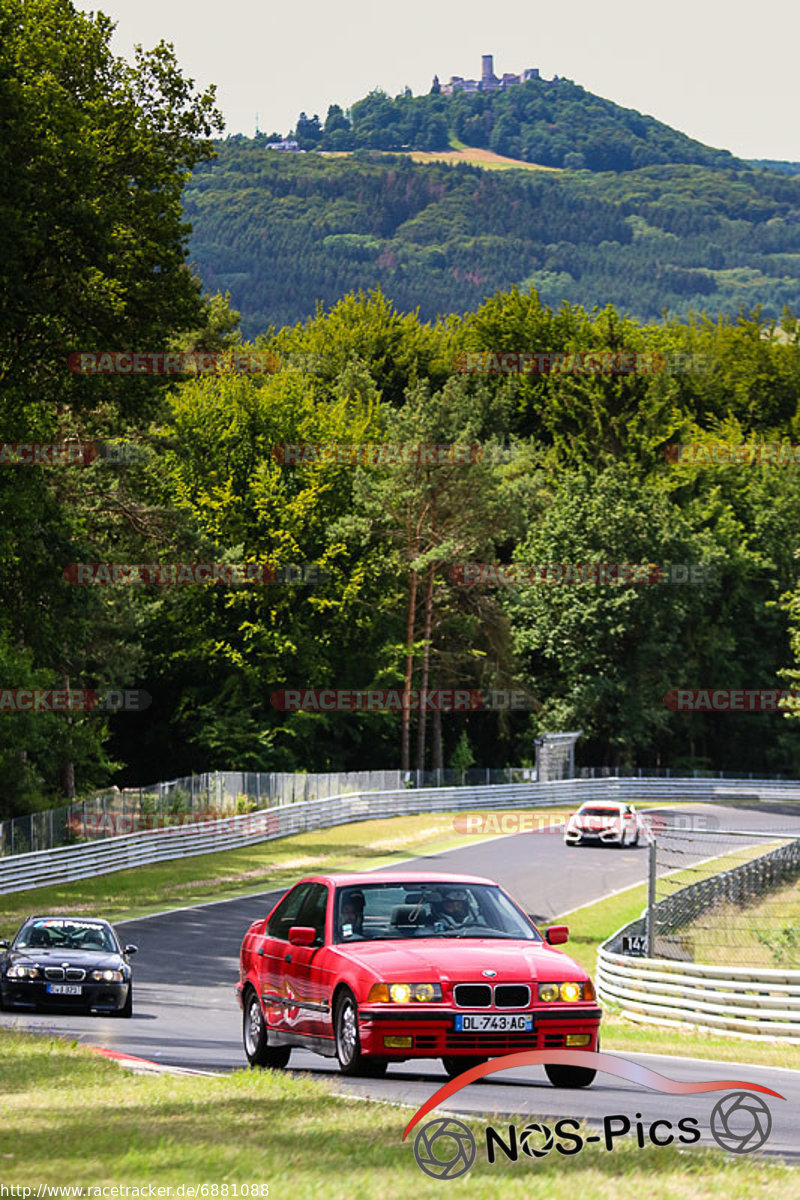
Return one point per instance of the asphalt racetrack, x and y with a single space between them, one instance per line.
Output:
186 1015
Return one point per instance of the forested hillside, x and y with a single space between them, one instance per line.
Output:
575 466
284 232
555 123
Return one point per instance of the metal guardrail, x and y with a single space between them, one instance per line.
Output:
22 872
751 1002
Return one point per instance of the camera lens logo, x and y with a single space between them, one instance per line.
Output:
741 1122
529 1136
444 1149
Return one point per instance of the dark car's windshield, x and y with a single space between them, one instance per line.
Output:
383 911
65 933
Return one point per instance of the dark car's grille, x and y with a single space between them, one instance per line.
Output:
54 972
75 974
472 995
512 995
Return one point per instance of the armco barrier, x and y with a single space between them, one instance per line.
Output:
749 1002
65 863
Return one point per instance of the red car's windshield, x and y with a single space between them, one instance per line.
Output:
384 911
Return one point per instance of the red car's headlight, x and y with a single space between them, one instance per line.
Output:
404 993
570 992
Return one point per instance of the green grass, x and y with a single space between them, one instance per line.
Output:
70 1118
765 934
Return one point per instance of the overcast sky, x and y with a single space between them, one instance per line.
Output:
723 71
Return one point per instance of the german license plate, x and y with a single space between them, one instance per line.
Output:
491 1023
64 989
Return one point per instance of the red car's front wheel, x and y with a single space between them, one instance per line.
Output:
348 1043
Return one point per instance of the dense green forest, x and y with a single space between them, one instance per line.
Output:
283 232
575 467
555 123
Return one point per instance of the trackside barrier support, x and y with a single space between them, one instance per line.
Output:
62 864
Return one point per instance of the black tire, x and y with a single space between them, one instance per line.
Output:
127 1008
348 1043
569 1077
374 1068
254 1037
456 1065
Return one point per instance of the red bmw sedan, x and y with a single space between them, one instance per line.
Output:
378 968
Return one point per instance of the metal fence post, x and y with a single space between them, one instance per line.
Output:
651 899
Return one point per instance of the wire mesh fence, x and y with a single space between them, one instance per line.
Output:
724 897
197 798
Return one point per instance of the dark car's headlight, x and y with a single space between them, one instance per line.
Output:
404 993
23 973
570 991
108 976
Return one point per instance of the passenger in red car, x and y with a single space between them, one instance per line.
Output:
352 912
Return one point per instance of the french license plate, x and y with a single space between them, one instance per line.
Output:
64 989
491 1023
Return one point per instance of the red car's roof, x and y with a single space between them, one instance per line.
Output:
362 877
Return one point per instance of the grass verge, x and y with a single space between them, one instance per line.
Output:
70 1118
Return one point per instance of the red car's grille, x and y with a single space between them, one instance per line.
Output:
512 995
472 995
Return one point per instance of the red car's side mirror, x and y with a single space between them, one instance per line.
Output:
302 935
557 934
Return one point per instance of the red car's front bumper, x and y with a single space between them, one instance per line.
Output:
433 1033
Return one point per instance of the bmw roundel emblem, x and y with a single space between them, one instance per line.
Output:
489 974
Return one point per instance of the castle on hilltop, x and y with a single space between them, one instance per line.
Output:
488 81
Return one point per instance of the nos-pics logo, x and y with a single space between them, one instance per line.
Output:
445 1148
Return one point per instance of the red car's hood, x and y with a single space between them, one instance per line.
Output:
423 960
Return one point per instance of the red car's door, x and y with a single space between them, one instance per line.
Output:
269 951
304 977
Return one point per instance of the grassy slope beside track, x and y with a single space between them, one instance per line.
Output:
69 1117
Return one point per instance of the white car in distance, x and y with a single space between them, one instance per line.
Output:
604 822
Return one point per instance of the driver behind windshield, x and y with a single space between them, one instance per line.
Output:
453 909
